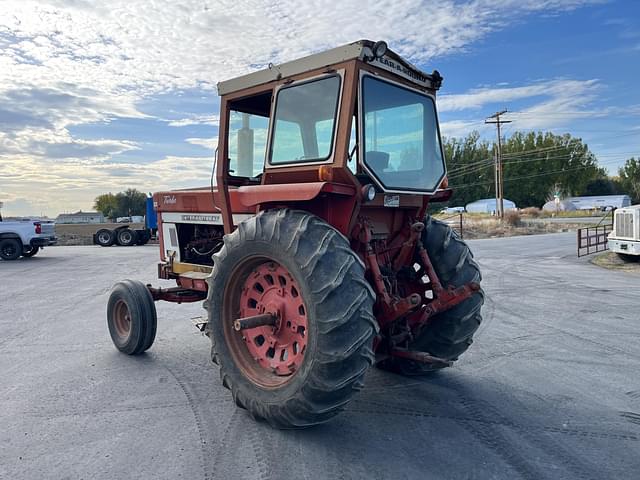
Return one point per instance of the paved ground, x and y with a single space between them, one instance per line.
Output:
550 390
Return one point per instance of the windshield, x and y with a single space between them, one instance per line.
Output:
401 139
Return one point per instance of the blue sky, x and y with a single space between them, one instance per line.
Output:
102 96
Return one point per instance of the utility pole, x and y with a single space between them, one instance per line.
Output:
498 166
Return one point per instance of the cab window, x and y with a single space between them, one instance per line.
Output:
304 121
248 127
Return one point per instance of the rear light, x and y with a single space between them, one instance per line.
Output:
38 227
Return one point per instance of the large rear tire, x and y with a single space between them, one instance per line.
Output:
131 317
450 333
305 369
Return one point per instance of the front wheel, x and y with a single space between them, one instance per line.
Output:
131 317
303 367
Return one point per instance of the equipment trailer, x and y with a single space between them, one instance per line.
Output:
314 255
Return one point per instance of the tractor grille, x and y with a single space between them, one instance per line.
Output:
624 224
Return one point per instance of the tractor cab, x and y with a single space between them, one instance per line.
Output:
358 116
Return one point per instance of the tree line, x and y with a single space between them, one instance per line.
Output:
536 165
123 204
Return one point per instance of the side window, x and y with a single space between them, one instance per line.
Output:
304 121
247 143
324 135
289 144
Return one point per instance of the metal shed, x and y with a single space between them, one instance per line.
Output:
488 205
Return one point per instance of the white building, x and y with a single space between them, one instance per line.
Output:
80 217
488 205
600 202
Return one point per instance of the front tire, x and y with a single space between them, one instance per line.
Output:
10 249
131 317
297 264
450 333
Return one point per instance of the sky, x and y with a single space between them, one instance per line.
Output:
98 97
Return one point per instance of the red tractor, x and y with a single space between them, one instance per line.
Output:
313 253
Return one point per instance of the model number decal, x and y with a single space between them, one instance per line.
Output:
216 218
392 200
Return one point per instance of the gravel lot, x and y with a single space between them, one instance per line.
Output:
550 390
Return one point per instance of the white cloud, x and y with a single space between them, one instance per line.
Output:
210 143
213 120
550 104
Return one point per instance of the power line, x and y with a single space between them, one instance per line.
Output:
522 177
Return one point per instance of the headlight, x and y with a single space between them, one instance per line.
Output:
368 193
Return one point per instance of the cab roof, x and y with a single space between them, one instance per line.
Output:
361 50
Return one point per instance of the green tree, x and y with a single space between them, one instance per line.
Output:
106 204
131 202
603 186
630 179
469 168
534 162
123 204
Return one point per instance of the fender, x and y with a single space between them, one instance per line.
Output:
254 195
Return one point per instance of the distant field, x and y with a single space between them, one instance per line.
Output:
82 234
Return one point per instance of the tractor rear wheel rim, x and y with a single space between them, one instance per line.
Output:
122 319
267 355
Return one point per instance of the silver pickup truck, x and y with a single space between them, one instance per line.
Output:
25 238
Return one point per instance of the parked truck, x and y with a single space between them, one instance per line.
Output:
25 238
314 254
624 239
126 236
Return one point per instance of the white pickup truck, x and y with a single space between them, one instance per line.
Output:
25 238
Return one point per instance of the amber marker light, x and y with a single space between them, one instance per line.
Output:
325 173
